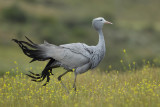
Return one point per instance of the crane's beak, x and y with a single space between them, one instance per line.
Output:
107 22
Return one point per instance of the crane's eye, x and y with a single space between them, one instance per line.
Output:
101 20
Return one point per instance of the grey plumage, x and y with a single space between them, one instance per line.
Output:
77 56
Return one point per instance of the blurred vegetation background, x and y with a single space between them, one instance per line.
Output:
136 28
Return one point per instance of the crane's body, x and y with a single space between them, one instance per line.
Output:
77 56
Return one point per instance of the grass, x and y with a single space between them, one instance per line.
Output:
115 89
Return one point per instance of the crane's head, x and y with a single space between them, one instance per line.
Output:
98 23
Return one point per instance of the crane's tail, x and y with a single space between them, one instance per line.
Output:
32 50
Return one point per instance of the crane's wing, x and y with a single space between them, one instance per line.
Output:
79 48
65 56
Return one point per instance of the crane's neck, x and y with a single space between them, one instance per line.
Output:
101 42
99 51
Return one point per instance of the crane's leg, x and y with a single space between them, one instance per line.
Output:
59 79
74 84
80 70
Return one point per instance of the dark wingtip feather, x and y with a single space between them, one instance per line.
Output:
33 76
29 40
15 40
34 73
45 84
32 60
48 78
